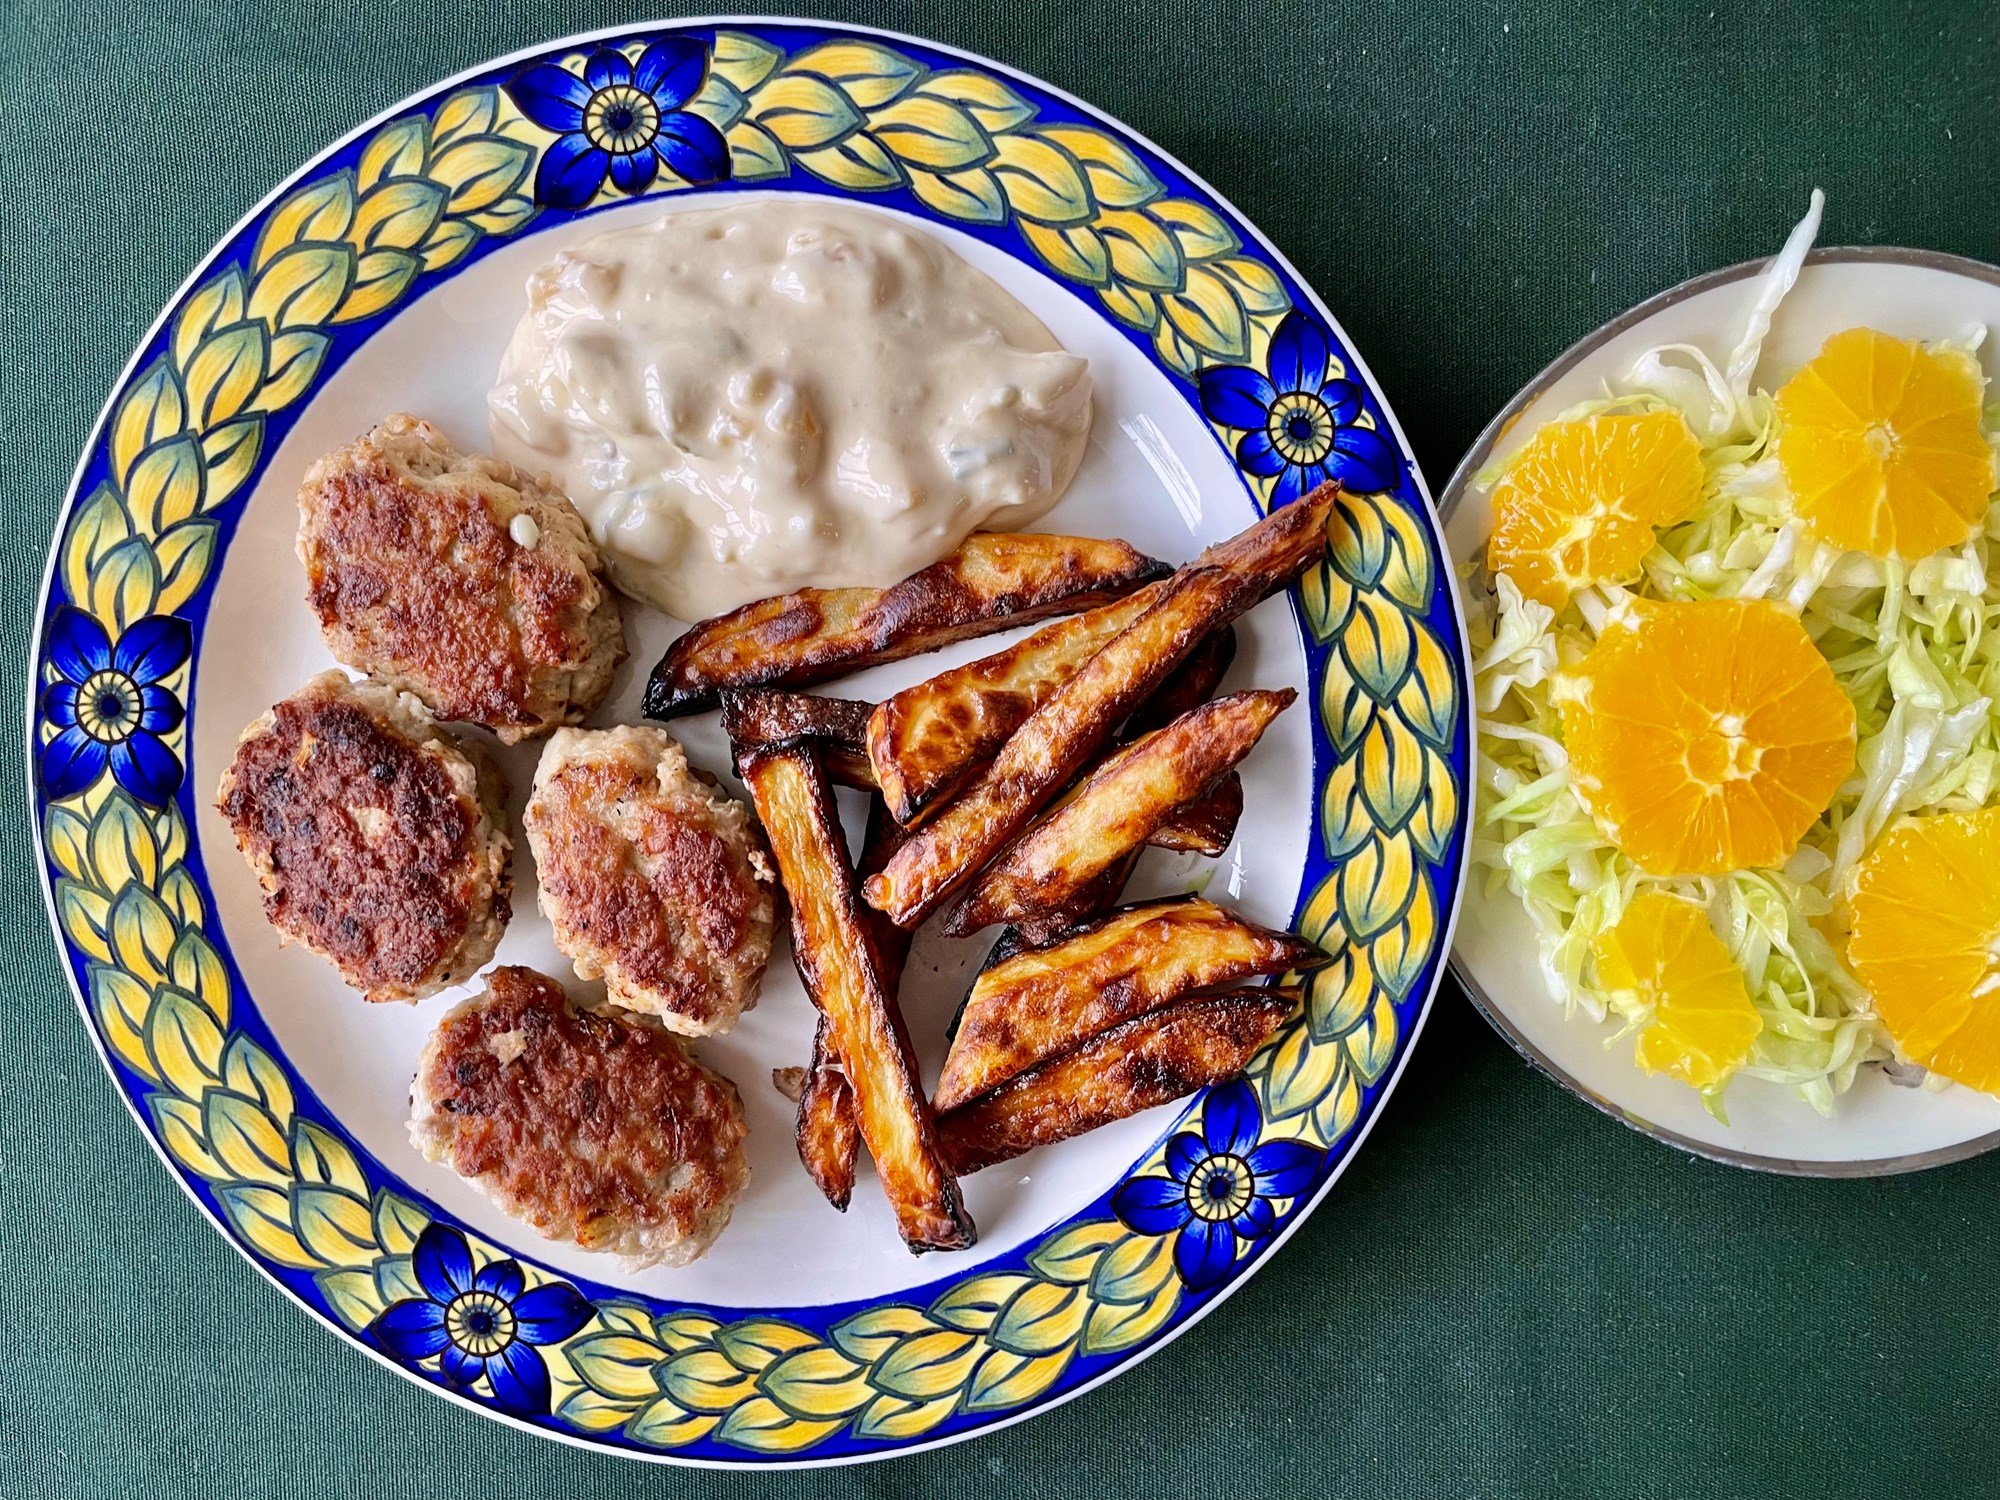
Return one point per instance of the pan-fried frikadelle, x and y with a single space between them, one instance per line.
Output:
461 579
651 876
994 581
379 841
592 1126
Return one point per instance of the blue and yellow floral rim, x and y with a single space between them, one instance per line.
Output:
403 205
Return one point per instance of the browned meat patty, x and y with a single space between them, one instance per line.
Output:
651 876
464 580
380 844
589 1125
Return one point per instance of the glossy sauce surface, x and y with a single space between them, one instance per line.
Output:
752 399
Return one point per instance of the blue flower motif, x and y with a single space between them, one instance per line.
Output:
1218 1194
1298 425
480 1324
109 708
620 120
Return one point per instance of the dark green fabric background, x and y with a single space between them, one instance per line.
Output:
1508 1295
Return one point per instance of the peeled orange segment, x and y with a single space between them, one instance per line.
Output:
1925 941
1881 445
1702 1022
1705 736
1580 504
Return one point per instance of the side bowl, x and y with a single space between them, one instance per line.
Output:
1879 1127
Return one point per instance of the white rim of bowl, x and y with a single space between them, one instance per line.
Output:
1448 502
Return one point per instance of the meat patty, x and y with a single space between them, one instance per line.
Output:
379 842
462 579
589 1125
652 877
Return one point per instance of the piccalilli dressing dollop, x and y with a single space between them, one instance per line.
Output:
777 394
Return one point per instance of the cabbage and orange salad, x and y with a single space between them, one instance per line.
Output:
1737 660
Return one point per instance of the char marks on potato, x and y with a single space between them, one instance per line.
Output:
461 579
379 843
592 1126
652 877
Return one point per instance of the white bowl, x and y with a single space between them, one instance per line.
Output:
1878 1126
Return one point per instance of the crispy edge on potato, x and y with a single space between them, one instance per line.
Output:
927 740
1030 1004
1117 810
1148 1060
1206 824
756 717
828 1132
993 581
1060 736
838 959
1048 750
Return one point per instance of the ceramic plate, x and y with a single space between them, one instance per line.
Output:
1878 1127
386 276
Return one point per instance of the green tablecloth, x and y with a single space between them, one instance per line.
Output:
1508 1294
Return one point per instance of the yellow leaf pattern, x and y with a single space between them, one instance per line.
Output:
186 437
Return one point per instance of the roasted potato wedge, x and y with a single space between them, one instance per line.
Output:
763 717
836 952
1060 736
1208 823
1117 810
926 741
994 581
1049 749
758 718
1190 685
1205 825
1097 896
1031 1004
1148 1060
828 1129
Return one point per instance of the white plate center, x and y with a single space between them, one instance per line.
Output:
1154 475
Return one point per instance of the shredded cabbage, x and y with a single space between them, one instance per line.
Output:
1917 649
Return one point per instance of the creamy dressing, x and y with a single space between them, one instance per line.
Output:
752 399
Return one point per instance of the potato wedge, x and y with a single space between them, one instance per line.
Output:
1206 824
760 717
1049 749
1117 810
1099 895
828 1129
1148 1060
994 581
837 958
1029 1005
1060 736
1188 686
926 741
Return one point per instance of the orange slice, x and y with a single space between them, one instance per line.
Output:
1705 736
1881 445
1580 504
1702 1022
1925 941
